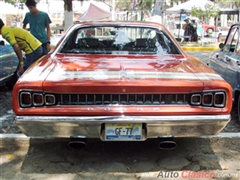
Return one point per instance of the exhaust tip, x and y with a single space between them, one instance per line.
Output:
167 145
77 143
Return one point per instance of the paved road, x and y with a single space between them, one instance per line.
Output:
201 55
51 159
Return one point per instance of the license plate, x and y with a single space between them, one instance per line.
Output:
123 132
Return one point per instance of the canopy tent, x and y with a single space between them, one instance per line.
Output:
94 13
187 6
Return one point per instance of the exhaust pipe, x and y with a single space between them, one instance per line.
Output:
77 143
167 144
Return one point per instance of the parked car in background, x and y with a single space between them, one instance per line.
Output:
221 33
127 81
179 31
8 64
207 28
226 62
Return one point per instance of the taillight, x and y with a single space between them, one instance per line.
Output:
196 99
35 99
50 99
25 99
38 99
209 99
219 99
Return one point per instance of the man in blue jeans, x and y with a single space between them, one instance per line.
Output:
39 22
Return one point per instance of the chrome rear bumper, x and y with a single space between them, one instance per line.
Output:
93 127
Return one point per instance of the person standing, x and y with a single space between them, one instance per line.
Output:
171 25
22 40
194 34
188 30
39 23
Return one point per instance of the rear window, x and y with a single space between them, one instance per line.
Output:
119 40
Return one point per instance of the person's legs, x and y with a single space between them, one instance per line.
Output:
44 49
31 58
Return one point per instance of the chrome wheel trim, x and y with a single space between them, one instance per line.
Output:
210 30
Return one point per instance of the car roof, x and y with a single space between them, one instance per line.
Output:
120 23
236 24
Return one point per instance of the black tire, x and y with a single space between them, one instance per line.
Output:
10 84
210 31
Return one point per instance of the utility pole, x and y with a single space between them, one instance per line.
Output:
47 2
163 12
113 9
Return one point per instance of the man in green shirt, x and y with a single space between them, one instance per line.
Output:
39 23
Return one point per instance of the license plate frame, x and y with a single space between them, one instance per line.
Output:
123 132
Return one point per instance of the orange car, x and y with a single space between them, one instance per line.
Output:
129 81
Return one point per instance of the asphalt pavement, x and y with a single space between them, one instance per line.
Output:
201 55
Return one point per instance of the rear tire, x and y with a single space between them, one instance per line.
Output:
210 31
12 81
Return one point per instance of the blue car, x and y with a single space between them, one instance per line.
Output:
8 64
226 62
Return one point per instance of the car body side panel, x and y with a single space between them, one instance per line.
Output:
8 63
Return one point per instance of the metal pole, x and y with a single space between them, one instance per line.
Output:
179 24
113 10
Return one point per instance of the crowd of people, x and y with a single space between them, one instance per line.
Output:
35 43
190 29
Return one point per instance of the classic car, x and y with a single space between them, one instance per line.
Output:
203 27
8 64
207 28
124 81
226 62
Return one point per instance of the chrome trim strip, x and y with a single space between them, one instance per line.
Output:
146 119
104 75
92 126
5 77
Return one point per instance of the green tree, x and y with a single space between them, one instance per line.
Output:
173 2
145 6
229 3
197 12
211 10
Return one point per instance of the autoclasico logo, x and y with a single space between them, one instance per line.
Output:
198 174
